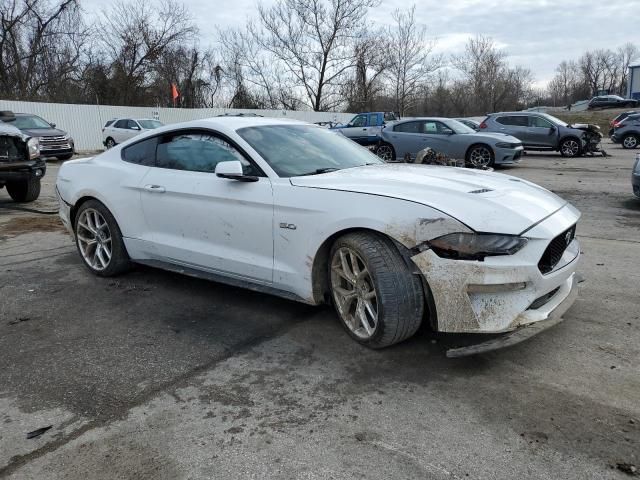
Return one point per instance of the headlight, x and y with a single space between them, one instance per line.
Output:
476 246
33 146
506 145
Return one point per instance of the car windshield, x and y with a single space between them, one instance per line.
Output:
296 150
459 127
24 122
554 120
150 124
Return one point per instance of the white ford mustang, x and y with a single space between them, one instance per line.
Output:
295 210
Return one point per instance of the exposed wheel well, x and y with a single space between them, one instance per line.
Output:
320 273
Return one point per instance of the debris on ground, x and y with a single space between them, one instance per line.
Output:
19 320
38 432
627 468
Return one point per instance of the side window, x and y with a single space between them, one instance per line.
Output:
141 153
430 128
132 125
514 120
373 119
409 127
198 152
539 122
121 124
360 121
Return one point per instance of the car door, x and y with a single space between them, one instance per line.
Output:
406 138
435 135
132 129
514 125
541 132
199 220
357 129
120 130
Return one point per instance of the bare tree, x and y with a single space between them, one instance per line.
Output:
412 59
41 43
372 62
134 35
313 40
627 54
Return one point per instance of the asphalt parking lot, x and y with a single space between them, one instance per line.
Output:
156 375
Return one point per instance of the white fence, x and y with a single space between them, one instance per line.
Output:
85 122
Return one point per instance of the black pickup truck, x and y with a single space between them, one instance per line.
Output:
21 166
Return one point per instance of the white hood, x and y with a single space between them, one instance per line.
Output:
510 205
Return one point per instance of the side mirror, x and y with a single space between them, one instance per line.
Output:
135 127
232 170
449 132
552 129
53 125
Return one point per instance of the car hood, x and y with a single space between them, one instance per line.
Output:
10 130
44 132
484 201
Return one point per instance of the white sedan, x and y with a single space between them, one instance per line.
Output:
295 210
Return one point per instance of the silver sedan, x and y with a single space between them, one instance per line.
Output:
404 139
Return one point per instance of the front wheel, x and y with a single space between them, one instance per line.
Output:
630 141
480 156
99 240
570 147
386 152
378 299
24 191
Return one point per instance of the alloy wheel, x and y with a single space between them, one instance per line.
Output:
480 157
630 142
354 293
570 148
385 152
94 239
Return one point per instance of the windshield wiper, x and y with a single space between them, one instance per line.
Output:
318 171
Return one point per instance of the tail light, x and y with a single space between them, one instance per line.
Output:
483 125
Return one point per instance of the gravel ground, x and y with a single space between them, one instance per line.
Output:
156 375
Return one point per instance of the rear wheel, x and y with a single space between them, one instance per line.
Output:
630 141
24 191
386 152
99 240
480 156
378 299
570 147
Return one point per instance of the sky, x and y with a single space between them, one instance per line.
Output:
537 34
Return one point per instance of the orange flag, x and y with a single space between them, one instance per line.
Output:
174 93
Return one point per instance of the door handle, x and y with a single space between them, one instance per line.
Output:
155 188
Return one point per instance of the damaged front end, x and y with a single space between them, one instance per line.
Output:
515 285
592 137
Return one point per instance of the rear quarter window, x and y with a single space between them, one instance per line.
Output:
141 153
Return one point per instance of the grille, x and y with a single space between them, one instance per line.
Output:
54 141
556 248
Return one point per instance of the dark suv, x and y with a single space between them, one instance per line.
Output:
53 141
21 167
611 101
627 132
540 131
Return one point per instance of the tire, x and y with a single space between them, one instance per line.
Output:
630 141
480 156
99 240
570 147
24 191
386 152
398 301
65 157
110 143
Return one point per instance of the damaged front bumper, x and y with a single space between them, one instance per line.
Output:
552 314
64 211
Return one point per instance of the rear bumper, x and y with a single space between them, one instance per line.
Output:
64 211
